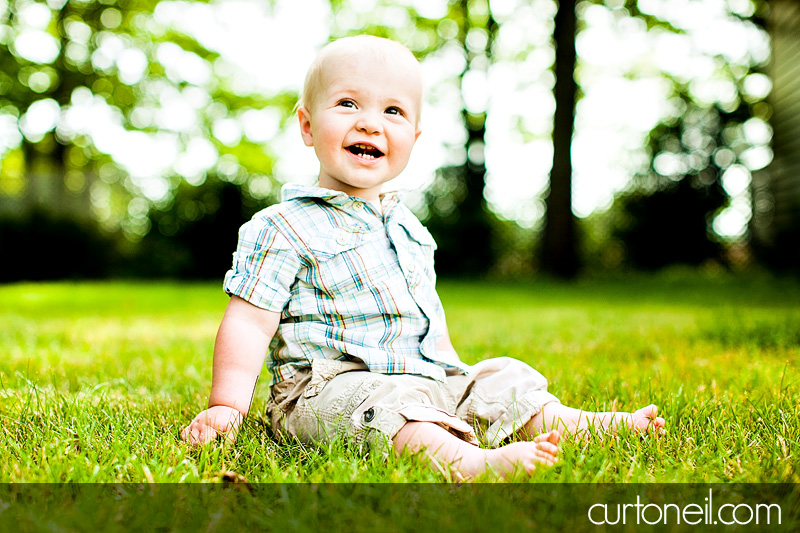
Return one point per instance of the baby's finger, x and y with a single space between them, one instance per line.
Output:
546 452
206 435
549 461
552 437
540 460
192 435
548 447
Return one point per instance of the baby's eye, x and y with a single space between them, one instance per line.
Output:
394 111
346 103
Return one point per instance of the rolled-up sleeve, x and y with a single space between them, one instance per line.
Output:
265 266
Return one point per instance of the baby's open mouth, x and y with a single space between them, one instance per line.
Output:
364 150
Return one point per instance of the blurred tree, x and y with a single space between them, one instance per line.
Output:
114 61
45 52
668 214
559 255
559 249
123 63
90 89
724 151
462 215
195 235
701 156
52 246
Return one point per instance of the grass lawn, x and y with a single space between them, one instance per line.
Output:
97 379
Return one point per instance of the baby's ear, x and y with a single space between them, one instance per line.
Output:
305 125
416 135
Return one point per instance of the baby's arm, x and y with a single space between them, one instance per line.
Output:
242 342
444 344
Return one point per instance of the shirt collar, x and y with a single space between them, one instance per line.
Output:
292 191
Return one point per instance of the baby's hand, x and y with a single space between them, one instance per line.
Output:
214 421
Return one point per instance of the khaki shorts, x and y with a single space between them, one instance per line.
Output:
341 399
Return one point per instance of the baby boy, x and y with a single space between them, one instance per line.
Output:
336 283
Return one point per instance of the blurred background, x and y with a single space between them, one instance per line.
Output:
559 138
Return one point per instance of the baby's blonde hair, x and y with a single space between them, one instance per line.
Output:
379 48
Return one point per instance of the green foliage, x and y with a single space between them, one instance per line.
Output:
97 380
117 53
195 234
78 172
56 247
655 234
667 213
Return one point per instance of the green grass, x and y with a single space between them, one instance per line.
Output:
97 379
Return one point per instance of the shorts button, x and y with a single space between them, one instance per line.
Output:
369 414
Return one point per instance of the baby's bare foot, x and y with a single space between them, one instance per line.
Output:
642 420
647 418
541 451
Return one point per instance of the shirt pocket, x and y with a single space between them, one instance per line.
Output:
336 241
338 261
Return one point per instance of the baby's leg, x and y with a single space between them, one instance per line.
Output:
466 460
570 421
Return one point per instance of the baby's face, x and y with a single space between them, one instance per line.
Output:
363 123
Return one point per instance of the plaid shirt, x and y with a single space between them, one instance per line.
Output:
349 283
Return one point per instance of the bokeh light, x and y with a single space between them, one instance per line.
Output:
264 49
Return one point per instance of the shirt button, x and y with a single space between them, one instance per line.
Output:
341 240
358 206
369 414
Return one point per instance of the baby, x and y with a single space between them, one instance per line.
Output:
336 283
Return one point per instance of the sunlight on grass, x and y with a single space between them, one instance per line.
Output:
97 379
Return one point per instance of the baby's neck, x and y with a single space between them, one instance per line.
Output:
376 203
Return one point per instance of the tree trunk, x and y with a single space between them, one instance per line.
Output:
464 233
476 220
559 248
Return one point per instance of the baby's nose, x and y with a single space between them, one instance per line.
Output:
369 122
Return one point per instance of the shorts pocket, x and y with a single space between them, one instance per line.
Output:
324 370
428 413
